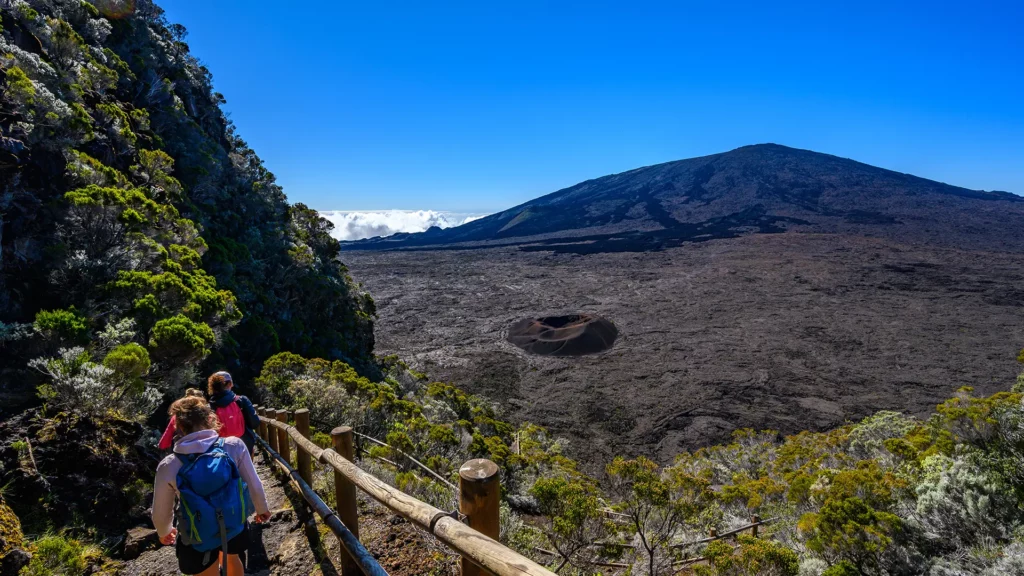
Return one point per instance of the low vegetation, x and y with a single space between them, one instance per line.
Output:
891 494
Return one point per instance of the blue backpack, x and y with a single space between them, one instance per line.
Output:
215 500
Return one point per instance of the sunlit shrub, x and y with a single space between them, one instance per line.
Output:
57 555
62 325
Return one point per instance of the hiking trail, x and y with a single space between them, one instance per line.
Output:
295 543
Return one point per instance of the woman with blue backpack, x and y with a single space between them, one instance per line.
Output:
217 486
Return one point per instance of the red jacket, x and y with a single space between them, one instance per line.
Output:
167 440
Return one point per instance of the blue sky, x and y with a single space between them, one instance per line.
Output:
476 106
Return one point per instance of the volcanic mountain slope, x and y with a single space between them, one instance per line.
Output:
764 188
889 292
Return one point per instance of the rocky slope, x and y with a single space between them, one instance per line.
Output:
783 331
765 188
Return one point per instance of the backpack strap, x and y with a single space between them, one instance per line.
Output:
223 542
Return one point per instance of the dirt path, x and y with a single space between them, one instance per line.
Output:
295 544
279 547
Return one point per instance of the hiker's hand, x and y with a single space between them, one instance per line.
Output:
262 518
169 538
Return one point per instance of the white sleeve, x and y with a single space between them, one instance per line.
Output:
240 454
164 491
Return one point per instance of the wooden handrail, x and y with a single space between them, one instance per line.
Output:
364 560
419 513
483 551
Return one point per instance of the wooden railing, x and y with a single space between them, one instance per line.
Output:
479 497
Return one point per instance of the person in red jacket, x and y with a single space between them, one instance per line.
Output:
236 413
171 432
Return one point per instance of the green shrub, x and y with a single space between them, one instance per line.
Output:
130 362
755 557
19 86
60 556
92 10
180 337
89 170
67 325
843 568
849 529
572 512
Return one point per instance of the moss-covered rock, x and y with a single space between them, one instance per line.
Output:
11 537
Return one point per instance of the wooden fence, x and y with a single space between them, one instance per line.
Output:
479 497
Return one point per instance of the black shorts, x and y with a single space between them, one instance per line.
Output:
192 561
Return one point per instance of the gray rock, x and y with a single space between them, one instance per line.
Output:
138 540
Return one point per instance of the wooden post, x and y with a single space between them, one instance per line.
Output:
479 497
305 464
345 495
271 431
283 447
754 520
263 425
713 533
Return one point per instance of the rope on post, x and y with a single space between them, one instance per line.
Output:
411 459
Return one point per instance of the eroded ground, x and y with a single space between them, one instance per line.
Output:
784 331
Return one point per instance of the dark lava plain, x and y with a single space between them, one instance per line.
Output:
787 331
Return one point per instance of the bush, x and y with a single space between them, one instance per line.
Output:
867 439
19 87
573 513
755 557
646 498
962 500
60 556
1011 561
843 568
64 325
181 338
849 529
129 362
78 384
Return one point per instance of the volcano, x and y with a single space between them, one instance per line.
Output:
765 188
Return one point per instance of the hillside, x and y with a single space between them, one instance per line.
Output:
134 216
764 188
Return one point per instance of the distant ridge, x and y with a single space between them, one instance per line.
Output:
764 188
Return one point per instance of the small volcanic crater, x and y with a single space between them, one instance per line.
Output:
569 335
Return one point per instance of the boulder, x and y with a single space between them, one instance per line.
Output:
12 563
138 540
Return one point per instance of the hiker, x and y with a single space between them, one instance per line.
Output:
218 488
171 433
236 414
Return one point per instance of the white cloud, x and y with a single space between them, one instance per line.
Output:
359 224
